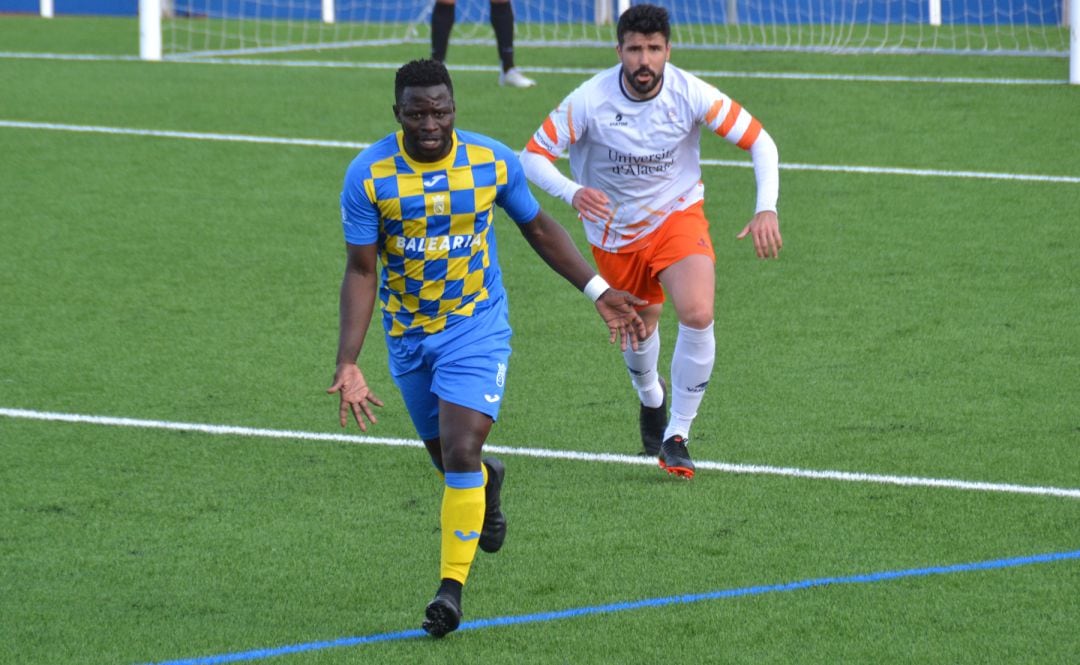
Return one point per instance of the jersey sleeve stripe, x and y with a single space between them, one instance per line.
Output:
730 118
713 112
533 146
570 123
750 135
549 129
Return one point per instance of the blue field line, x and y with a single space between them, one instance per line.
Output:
611 608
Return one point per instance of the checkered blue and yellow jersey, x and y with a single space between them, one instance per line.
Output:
433 225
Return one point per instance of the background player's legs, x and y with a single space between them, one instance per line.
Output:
502 20
691 284
442 22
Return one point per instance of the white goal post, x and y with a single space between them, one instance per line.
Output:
1072 19
999 27
150 14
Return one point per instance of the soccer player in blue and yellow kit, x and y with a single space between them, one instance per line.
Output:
421 201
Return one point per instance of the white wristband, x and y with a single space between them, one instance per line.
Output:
595 288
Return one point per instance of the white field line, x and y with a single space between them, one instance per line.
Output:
565 71
890 170
194 136
842 476
356 145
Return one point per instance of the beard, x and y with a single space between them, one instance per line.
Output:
643 88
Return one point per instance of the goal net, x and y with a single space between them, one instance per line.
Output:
199 28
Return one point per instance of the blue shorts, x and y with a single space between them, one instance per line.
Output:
464 364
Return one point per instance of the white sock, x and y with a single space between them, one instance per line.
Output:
642 367
691 367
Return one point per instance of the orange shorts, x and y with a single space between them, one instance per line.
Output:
636 267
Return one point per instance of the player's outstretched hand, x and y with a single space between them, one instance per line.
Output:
623 322
765 229
355 395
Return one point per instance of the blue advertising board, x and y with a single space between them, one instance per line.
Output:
564 11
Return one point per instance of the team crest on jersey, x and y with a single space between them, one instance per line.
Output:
438 204
500 376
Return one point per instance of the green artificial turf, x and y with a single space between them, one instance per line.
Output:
918 326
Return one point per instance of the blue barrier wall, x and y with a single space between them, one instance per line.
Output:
88 7
750 11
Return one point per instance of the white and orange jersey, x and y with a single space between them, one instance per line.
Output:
644 154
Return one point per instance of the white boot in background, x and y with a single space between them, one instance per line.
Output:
515 79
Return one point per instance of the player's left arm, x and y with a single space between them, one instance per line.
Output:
555 246
729 120
764 226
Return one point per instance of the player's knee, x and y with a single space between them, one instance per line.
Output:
697 318
461 454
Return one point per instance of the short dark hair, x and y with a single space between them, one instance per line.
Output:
644 19
421 74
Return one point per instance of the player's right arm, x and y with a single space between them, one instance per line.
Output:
563 127
356 304
360 222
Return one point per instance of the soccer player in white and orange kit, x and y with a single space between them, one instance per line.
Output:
632 132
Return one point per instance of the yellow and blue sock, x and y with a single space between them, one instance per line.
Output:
463 507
